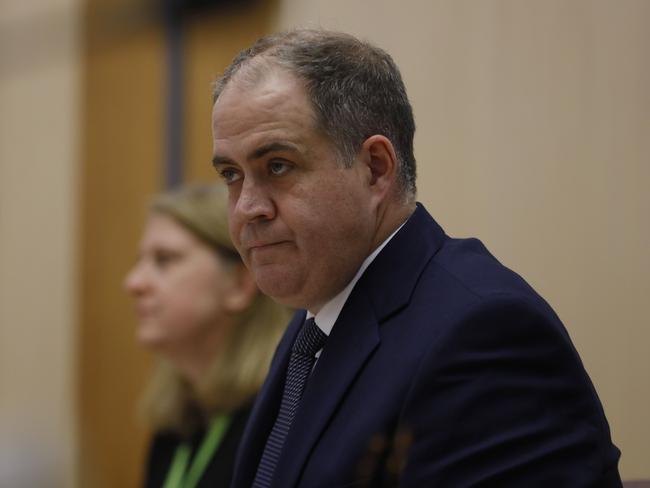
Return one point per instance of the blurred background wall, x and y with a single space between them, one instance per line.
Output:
40 53
533 134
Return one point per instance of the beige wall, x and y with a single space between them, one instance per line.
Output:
39 93
534 135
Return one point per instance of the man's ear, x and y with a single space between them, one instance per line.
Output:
381 160
241 290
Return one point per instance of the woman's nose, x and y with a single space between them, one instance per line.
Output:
135 281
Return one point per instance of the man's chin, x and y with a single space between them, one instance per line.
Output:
280 286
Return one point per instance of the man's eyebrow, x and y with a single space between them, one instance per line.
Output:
221 160
272 147
259 152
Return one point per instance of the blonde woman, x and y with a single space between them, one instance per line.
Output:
200 311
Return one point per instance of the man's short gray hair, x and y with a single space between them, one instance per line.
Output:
355 88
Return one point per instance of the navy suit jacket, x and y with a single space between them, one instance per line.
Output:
443 366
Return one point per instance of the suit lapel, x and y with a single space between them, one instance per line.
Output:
353 339
265 409
390 280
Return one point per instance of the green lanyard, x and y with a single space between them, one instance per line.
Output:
179 475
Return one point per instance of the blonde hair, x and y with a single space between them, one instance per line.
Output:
237 372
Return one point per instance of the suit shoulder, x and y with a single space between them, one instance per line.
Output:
465 283
469 264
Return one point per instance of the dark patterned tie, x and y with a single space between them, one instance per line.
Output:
310 340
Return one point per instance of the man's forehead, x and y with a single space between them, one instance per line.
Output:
278 108
271 98
258 73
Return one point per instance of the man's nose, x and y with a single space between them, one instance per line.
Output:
255 202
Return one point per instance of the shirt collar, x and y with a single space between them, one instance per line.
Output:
327 315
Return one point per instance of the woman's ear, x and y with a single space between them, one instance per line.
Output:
241 291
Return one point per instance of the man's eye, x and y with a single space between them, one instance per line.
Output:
229 175
278 168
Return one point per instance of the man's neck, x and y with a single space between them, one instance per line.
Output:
327 314
390 218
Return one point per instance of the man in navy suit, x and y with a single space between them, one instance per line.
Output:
439 367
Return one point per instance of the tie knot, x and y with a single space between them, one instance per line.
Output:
310 339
